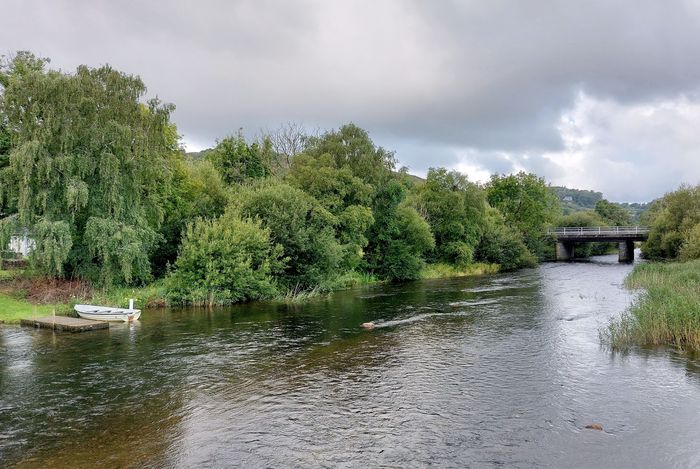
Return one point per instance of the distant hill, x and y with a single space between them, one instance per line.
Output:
576 200
197 155
635 209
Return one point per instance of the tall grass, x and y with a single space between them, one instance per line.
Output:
667 312
442 270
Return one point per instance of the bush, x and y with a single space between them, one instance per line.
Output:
673 224
300 225
503 245
225 261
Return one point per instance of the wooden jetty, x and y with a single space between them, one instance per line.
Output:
65 324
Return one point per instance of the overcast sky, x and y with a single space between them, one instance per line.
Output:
599 95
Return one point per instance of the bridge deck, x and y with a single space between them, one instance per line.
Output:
600 233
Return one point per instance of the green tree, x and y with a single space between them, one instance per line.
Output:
455 210
344 195
224 261
351 147
89 166
613 214
238 161
399 237
300 224
502 245
197 192
672 223
527 204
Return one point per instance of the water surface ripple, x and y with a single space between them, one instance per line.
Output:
494 371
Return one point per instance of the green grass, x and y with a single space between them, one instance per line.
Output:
442 270
152 295
13 309
667 312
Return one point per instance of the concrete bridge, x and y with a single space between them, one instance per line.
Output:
567 237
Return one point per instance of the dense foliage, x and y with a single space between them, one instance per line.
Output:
94 173
238 161
613 214
527 204
455 210
576 200
87 169
674 226
502 245
225 260
297 222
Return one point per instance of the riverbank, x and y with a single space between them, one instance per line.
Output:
441 270
23 297
14 309
667 312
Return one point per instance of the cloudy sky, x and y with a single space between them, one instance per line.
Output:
599 95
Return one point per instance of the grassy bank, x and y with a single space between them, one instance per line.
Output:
441 270
667 312
24 296
13 309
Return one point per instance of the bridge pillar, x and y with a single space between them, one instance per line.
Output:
564 251
626 251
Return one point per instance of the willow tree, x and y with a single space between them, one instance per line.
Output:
88 166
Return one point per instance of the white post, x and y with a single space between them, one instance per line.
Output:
131 303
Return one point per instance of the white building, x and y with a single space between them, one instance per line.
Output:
21 243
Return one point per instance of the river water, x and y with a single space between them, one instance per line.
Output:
497 371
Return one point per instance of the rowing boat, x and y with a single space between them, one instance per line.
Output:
107 313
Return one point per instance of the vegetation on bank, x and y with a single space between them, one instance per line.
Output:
13 309
666 312
94 173
442 270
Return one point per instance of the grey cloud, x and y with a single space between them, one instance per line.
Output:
425 77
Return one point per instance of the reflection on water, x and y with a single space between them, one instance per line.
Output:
502 370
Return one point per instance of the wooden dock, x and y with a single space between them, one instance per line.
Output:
65 324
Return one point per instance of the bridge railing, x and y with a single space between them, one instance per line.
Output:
598 230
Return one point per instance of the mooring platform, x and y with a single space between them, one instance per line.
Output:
65 324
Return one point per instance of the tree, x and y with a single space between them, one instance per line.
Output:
613 214
502 245
672 225
297 222
238 161
351 147
454 208
89 166
197 192
400 236
288 141
527 205
224 261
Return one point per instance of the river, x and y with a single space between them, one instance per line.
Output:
494 371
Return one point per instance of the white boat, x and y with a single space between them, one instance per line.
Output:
107 313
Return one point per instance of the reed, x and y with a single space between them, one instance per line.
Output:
443 270
666 312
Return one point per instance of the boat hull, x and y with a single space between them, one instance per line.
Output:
100 313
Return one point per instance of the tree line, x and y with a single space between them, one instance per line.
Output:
95 172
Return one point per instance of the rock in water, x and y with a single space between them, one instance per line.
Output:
368 325
595 426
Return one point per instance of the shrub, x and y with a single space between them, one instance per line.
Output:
225 261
